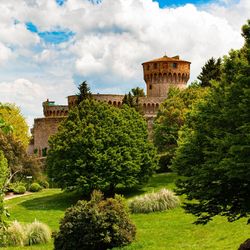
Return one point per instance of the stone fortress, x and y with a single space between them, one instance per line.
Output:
159 74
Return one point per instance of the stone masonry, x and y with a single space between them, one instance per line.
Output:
159 74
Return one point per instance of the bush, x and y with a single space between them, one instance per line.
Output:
160 201
165 162
95 224
44 184
35 187
37 233
19 189
14 235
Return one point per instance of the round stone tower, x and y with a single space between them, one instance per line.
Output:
162 73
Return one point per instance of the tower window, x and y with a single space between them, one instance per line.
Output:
150 86
155 65
175 65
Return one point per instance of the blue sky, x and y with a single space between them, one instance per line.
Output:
48 47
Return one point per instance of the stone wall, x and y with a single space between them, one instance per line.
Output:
42 130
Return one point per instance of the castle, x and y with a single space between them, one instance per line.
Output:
159 74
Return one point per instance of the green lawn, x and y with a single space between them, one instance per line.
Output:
157 231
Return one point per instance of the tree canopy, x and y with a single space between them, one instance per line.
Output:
100 147
171 117
210 71
11 115
214 147
132 98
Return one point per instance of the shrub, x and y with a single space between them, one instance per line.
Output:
44 183
160 201
95 224
37 233
35 187
19 189
14 234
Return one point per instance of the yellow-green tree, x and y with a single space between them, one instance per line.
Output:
11 114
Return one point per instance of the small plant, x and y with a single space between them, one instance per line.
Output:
35 187
44 183
19 189
14 234
96 224
160 201
37 233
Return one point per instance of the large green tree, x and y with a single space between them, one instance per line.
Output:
171 117
100 147
214 148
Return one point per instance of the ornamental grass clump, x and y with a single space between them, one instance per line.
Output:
14 235
153 202
37 233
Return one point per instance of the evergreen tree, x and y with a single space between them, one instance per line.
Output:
214 148
210 71
84 92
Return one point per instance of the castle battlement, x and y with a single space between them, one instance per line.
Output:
159 74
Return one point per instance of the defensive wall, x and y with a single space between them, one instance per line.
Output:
159 74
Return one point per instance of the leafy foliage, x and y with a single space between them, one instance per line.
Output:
19 162
171 118
84 92
95 224
132 98
99 147
11 114
35 187
214 147
153 202
20 189
210 71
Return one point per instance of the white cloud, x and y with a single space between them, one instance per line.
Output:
5 53
111 41
29 95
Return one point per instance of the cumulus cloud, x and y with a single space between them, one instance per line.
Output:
111 39
29 95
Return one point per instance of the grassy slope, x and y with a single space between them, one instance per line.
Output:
167 230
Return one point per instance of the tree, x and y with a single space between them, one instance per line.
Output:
214 147
19 162
4 127
4 173
170 119
210 71
132 98
100 147
84 92
11 115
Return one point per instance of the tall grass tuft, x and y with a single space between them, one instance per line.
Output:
15 234
37 233
153 202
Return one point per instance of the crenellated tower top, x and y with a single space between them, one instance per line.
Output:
162 73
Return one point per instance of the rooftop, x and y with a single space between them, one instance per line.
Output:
165 58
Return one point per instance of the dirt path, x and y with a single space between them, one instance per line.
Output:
11 196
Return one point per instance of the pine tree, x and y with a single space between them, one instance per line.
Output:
210 71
